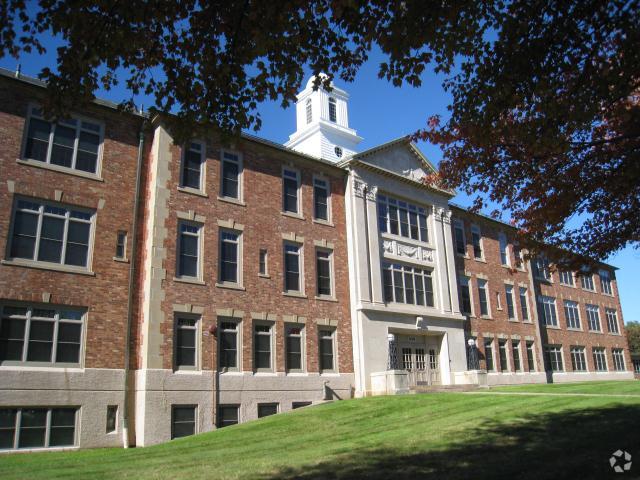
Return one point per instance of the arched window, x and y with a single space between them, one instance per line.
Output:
332 109
309 113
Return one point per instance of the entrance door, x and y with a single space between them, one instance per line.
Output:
423 365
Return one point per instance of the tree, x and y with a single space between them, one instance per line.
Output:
633 336
543 119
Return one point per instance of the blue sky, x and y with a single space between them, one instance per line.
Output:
379 112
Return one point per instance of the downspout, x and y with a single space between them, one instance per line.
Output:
130 299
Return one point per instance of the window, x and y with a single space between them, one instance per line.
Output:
511 310
461 243
291 185
231 175
518 253
515 349
572 314
405 284
292 264
554 358
541 268
112 418
524 304
229 257
192 163
228 359
465 295
43 335
483 297
323 273
566 278
183 420
332 110
605 282
186 342
531 362
293 346
296 405
402 218
188 250
488 354
599 359
262 268
320 199
73 143
504 253
262 347
502 349
586 279
121 245
612 320
476 241
327 358
618 359
309 111
593 317
548 311
227 415
267 409
37 427
52 233
578 359
636 366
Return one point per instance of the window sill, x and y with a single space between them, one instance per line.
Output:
481 260
462 255
232 200
567 285
573 329
41 366
56 168
617 334
192 281
294 294
553 327
297 216
264 275
193 191
607 294
486 317
323 222
326 298
513 320
230 286
589 290
265 373
47 266
596 331
187 371
121 260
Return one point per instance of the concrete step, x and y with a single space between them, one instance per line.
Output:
443 388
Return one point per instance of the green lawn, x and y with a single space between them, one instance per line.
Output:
439 436
631 387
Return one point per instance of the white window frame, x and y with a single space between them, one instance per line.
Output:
504 249
549 311
125 236
475 229
47 437
272 345
334 344
611 315
516 351
462 279
562 275
541 269
488 343
240 162
485 282
238 332
301 276
332 287
317 179
266 262
606 287
309 111
533 355
200 236
600 359
504 368
420 211
509 294
618 359
414 271
574 317
332 101
556 350
593 315
203 166
586 281
302 336
578 352
196 328
298 213
526 303
239 256
458 225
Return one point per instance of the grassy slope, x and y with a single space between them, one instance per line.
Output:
631 387
443 436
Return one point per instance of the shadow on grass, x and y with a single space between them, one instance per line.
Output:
567 445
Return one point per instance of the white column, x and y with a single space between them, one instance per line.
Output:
453 280
442 260
375 270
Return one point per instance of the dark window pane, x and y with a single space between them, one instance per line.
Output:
11 339
294 354
296 405
290 195
69 332
264 410
192 169
229 266
227 415
86 161
230 179
399 291
184 414
321 205
51 236
388 286
7 428
33 428
38 139
62 150
24 235
40 341
78 233
183 421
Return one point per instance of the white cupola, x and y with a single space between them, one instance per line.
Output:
323 124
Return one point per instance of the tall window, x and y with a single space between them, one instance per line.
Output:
524 304
327 358
476 241
323 273
405 284
293 348
309 111
483 297
461 243
554 358
465 295
262 347
332 110
37 427
504 253
227 415
578 359
612 320
189 250
292 263
571 314
548 311
228 345
50 232
593 317
541 268
599 359
531 362
566 277
502 348
605 282
402 218
511 310
320 199
586 279
40 335
73 143
185 342
231 171
488 354
183 420
515 349
290 185
618 359
121 245
192 163
229 256
262 267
